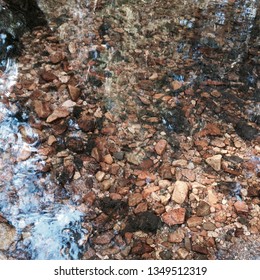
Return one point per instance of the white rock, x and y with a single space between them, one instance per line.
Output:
180 191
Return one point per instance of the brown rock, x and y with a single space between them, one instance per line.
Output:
200 249
220 216
74 92
160 147
48 76
104 238
176 236
176 85
140 248
108 159
180 191
189 174
42 108
174 216
241 207
194 221
7 236
146 192
215 162
158 208
58 114
209 226
183 253
141 207
203 209
210 129
87 123
56 57
134 199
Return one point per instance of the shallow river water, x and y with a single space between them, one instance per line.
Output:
210 42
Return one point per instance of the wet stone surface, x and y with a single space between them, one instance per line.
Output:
131 131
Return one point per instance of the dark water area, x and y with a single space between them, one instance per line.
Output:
163 67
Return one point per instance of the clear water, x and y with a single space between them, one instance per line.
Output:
47 227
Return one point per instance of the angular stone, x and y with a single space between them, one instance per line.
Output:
174 216
108 159
134 199
215 162
200 249
194 221
203 209
241 207
104 238
183 253
180 191
87 123
7 236
42 109
48 76
58 114
176 236
56 57
74 92
160 147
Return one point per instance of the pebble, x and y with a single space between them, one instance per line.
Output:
180 191
134 199
160 147
42 108
174 216
74 92
176 236
183 253
241 207
215 162
100 175
203 209
7 236
194 221
58 114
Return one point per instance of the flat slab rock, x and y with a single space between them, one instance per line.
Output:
174 216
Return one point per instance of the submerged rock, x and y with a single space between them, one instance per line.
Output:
16 17
7 235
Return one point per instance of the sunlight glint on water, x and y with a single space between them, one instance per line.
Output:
50 230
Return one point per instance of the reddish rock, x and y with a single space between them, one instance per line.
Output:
56 57
140 248
146 192
104 238
160 147
176 236
87 123
42 108
241 207
174 216
74 92
210 129
134 199
108 159
189 174
58 114
194 221
141 207
48 76
158 208
220 216
200 249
